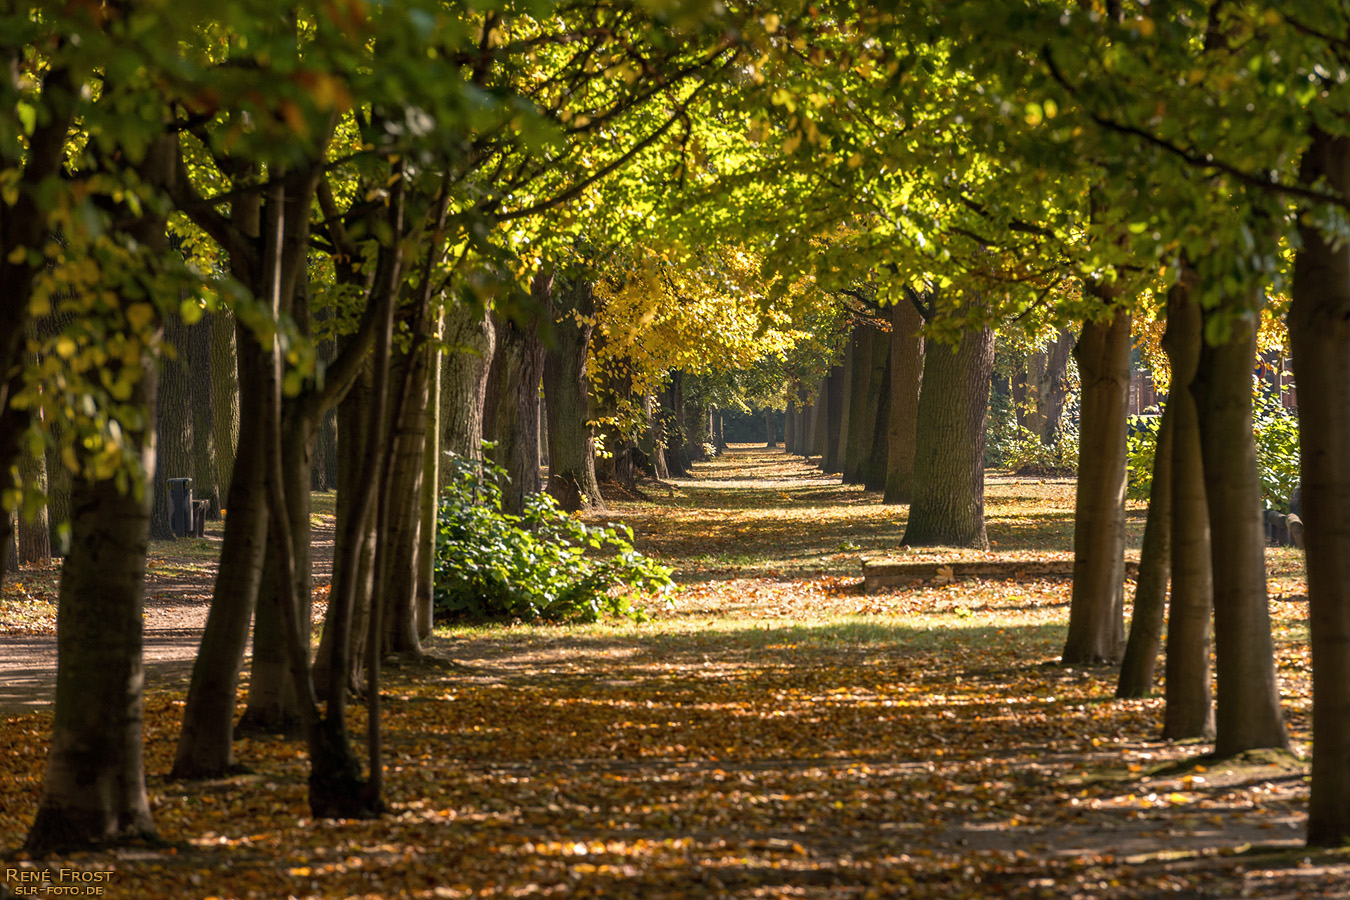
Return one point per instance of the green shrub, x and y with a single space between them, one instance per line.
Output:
1025 453
543 565
1276 432
1277 458
1140 448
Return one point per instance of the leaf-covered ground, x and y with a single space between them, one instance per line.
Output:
776 734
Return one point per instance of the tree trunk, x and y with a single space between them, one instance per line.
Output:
173 428
571 441
205 470
790 426
58 502
1189 710
35 536
518 366
948 504
906 377
879 411
861 416
831 463
670 416
1319 328
470 339
1150 592
820 422
697 434
225 387
93 791
770 429
351 540
1097 609
651 441
409 385
205 744
1247 693
1047 387
845 405
425 589
324 477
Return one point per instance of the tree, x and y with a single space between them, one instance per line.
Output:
94 787
1096 613
907 349
1318 319
948 502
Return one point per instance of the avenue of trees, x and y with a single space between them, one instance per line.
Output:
270 248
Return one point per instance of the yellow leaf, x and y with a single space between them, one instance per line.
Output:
140 315
17 255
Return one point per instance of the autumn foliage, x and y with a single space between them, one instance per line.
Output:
777 734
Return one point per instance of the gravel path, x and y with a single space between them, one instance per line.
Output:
175 614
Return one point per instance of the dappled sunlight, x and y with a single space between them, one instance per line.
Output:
776 733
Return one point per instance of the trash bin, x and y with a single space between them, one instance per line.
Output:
180 506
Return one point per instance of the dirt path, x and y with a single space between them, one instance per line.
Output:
177 599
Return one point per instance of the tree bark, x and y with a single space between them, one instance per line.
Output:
470 341
352 540
1097 609
861 415
174 446
518 366
1155 566
205 744
35 536
205 470
1247 692
948 504
820 421
424 599
1046 386
831 463
1189 709
906 378
1319 328
58 501
409 384
225 424
93 791
571 441
879 411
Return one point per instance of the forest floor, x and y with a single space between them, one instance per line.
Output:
774 733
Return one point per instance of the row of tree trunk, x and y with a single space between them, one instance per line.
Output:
905 417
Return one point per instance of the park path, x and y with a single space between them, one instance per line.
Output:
177 599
